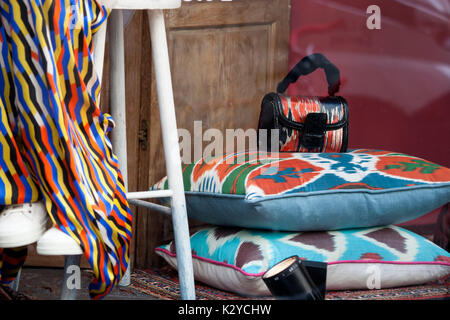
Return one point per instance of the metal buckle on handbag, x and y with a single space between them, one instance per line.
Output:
314 130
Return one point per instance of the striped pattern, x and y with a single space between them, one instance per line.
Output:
11 260
54 145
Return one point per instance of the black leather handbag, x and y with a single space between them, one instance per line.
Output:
306 124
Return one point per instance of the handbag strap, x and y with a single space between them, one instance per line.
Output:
308 65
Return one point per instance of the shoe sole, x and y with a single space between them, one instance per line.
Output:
60 251
23 239
55 247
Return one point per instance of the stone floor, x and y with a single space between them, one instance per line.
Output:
45 284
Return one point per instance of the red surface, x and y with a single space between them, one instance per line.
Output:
396 80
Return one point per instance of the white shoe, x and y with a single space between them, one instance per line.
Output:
55 242
22 224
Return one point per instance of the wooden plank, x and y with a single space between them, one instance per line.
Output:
133 35
220 13
35 260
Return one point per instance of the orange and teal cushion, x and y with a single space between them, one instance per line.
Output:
313 191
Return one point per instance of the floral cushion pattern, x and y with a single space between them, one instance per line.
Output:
234 259
324 191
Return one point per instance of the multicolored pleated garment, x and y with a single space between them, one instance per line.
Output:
53 144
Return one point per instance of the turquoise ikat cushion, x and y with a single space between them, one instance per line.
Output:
234 259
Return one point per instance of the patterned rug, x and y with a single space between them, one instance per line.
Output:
163 284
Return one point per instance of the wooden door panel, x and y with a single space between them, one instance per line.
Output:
226 91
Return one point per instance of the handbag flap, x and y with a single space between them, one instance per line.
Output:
294 110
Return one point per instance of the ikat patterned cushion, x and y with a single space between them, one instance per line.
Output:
234 259
313 191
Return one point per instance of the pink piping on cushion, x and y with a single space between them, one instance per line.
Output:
215 262
391 262
333 262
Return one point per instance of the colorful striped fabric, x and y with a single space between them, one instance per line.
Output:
53 144
11 260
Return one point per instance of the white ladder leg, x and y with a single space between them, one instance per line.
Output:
118 102
172 152
99 43
15 284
